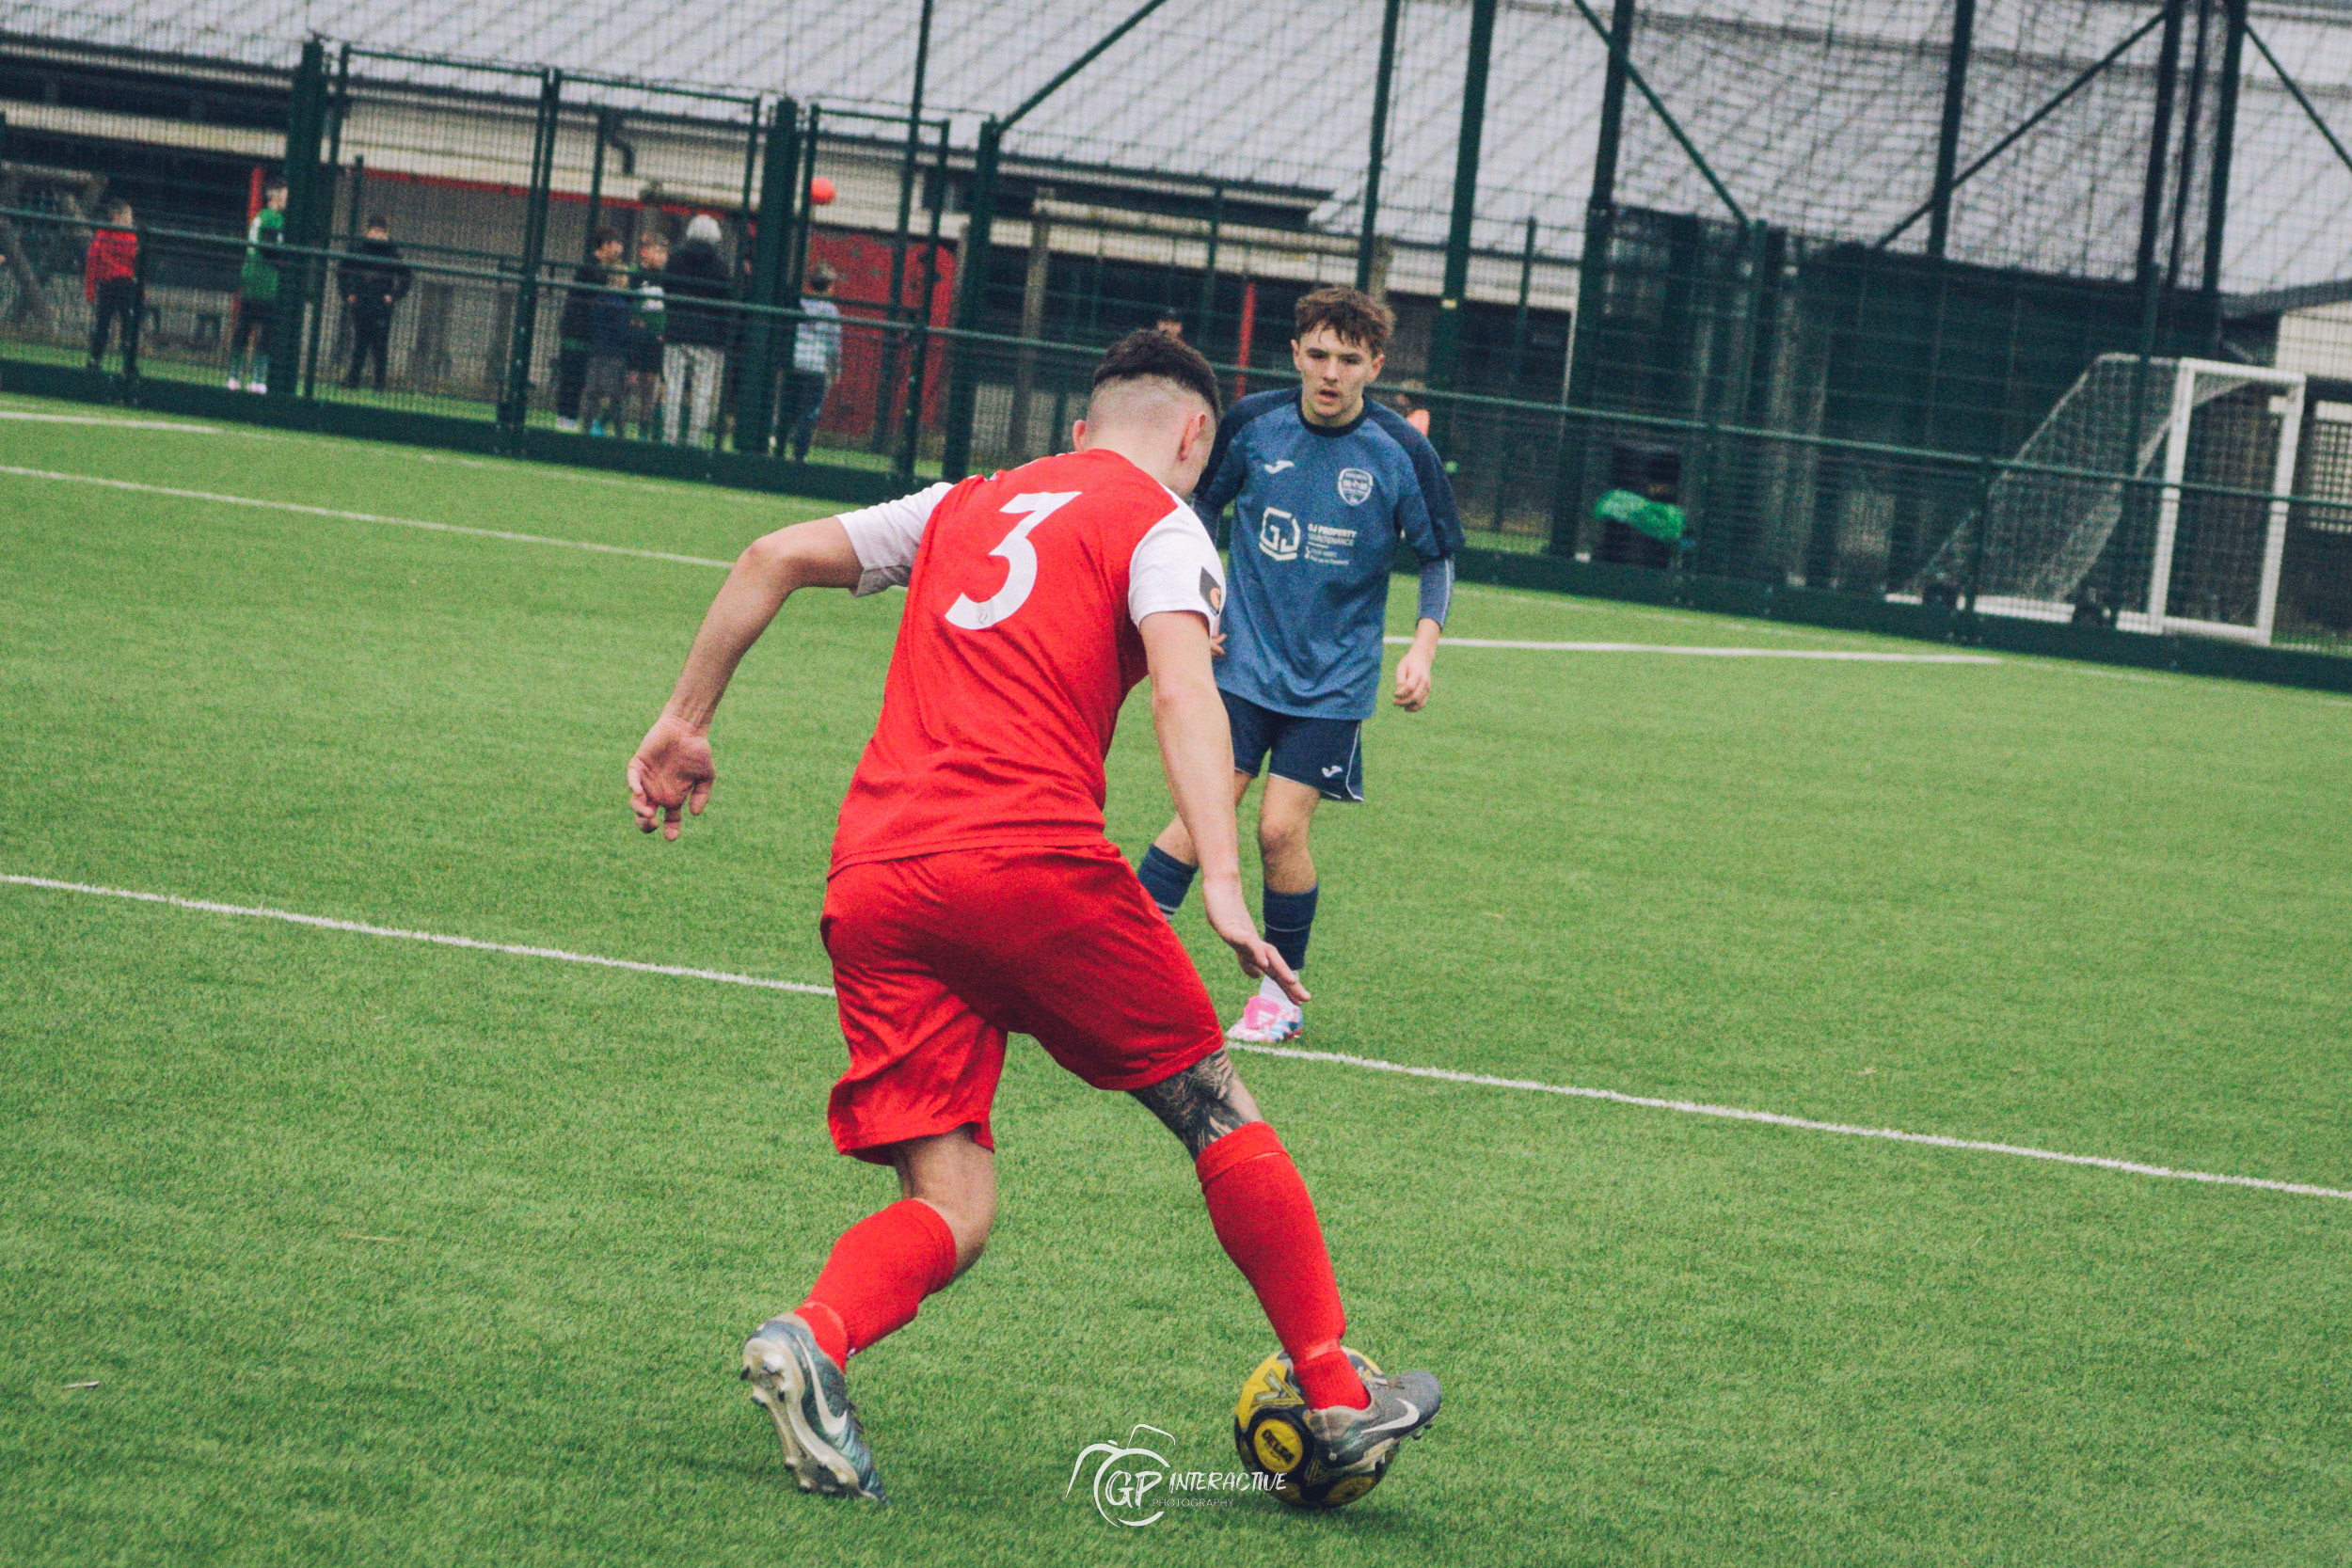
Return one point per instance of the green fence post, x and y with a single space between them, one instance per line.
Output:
2218 181
337 109
1378 155
138 318
919 367
756 411
1592 285
1445 342
515 409
805 194
963 390
1208 268
305 131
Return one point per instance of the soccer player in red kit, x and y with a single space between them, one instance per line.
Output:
972 885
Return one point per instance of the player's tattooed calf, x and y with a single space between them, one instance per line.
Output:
1201 1104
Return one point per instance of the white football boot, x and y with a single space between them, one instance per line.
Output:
798 1384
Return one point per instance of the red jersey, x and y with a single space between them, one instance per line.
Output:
113 253
1017 647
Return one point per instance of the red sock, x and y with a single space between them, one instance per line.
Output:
1267 1223
881 1269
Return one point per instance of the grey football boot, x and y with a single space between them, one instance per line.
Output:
798 1384
1357 1442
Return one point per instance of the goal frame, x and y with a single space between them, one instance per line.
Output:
2292 386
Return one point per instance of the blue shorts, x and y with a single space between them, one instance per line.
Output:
1325 755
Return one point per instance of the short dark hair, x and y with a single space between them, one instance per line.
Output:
118 210
1148 356
821 278
1353 315
377 220
274 182
606 234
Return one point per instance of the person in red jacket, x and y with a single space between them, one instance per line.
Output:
110 283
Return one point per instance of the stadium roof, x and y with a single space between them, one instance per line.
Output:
1819 115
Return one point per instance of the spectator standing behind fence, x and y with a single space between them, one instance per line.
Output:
110 283
257 293
648 325
371 289
816 359
604 398
571 328
694 364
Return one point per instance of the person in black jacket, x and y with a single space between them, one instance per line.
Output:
371 289
571 328
694 358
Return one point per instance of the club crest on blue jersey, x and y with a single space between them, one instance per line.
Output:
1355 486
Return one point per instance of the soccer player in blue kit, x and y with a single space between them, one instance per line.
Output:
1325 484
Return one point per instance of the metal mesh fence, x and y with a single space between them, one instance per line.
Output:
2001 426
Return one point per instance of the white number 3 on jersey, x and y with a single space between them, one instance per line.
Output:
980 615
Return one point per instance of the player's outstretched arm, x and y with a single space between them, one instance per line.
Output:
1197 751
673 770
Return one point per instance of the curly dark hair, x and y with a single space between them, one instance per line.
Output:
1354 316
1148 356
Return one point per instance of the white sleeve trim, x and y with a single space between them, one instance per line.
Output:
886 537
1175 567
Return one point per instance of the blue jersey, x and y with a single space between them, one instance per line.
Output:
1317 514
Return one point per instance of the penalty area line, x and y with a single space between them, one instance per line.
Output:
1846 655
176 493
1329 1058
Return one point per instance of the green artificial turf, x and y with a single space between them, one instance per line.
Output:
387 1253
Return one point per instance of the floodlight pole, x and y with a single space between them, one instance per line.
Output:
963 390
1592 280
1378 155
2189 117
906 215
1445 339
1948 136
920 348
963 386
2224 139
2151 220
2159 151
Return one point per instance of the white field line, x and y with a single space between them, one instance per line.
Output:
1846 654
361 928
1371 1064
360 516
1773 1118
111 423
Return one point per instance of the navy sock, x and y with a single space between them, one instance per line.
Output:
1166 879
1289 920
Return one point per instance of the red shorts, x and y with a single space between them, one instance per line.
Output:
937 958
